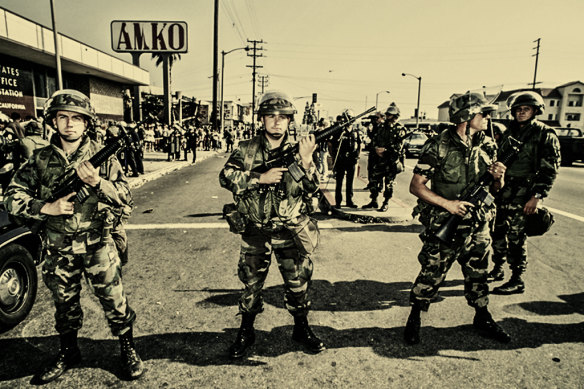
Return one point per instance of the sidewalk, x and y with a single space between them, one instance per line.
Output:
397 212
157 165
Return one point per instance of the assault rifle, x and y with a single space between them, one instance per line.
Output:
284 156
477 194
70 182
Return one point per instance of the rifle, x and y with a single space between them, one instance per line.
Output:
70 182
284 156
477 194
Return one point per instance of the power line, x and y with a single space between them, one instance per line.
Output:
255 55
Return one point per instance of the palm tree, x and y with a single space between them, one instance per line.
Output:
167 60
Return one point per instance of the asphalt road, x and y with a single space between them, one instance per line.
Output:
182 282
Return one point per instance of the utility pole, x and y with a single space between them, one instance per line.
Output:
536 55
215 66
57 48
254 54
264 82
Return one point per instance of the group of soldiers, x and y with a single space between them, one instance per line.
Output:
272 212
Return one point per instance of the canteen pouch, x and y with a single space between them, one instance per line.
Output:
237 222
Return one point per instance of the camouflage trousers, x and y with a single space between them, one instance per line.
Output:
509 238
470 250
254 262
62 273
382 182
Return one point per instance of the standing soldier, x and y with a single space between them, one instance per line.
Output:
345 150
388 145
528 180
75 235
274 209
372 158
453 161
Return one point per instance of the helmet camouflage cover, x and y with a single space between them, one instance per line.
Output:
464 108
276 103
69 100
531 98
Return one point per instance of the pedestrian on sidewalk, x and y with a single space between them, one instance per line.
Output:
274 217
76 236
454 161
528 181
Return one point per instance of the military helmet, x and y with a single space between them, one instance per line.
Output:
276 103
33 128
539 223
531 98
464 108
392 110
69 100
4 119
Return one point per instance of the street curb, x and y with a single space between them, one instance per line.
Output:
136 182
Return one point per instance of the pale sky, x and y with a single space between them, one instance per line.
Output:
348 51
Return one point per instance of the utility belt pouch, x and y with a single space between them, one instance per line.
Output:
237 222
305 233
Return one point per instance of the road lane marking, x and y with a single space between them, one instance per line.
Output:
195 226
566 214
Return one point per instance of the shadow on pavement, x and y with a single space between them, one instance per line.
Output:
209 348
574 303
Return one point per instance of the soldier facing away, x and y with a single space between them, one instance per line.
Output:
457 157
275 210
74 234
528 181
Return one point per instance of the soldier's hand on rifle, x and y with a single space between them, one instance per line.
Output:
458 207
272 176
380 151
60 207
306 148
88 174
497 170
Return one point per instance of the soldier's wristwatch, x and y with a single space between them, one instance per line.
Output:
538 196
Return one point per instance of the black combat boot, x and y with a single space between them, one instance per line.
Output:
487 327
68 356
515 284
132 365
412 330
304 335
497 274
245 337
371 204
384 206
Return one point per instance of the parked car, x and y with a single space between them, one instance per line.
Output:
571 144
20 253
413 144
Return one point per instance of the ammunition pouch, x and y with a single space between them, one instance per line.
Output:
237 222
539 223
305 234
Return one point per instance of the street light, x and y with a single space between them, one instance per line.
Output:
418 107
377 95
223 54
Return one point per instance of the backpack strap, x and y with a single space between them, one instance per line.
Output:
251 149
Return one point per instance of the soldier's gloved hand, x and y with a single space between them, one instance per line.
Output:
60 207
272 176
306 148
380 151
88 174
458 207
497 170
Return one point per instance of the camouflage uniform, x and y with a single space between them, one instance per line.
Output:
533 172
269 210
78 244
451 165
389 136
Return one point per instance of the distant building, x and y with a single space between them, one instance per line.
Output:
28 75
563 105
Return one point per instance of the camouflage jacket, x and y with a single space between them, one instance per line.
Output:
262 204
535 168
36 179
391 138
453 166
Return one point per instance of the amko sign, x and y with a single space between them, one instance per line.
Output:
149 37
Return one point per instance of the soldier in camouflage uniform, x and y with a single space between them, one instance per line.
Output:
275 208
388 145
374 127
528 180
452 160
75 235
